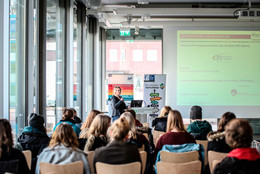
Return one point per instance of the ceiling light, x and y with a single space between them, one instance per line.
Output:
143 2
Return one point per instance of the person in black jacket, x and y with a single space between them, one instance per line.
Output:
242 159
117 151
118 105
160 123
8 153
34 137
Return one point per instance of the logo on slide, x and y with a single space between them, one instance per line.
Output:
221 57
233 92
162 86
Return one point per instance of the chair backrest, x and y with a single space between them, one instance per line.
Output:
214 163
91 160
143 155
145 124
182 157
146 136
212 155
156 136
28 156
130 168
193 167
75 168
9 166
204 143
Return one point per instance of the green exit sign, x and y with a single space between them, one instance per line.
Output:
124 32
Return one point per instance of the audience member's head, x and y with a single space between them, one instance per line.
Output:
68 114
195 112
132 112
165 111
64 110
64 134
175 121
239 133
6 137
74 112
130 119
119 129
92 114
226 117
99 125
36 121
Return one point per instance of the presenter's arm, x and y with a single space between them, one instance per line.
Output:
115 104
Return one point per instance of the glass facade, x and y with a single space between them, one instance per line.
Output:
55 63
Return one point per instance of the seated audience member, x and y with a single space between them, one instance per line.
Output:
7 152
117 151
68 118
34 137
217 139
175 133
97 134
137 122
198 129
160 123
63 149
86 125
138 139
76 119
242 159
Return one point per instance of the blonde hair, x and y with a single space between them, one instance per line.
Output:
115 88
174 121
165 111
92 114
6 138
64 134
99 125
130 119
119 129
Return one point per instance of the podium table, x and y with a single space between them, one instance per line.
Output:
142 113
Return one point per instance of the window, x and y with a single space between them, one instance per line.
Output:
55 63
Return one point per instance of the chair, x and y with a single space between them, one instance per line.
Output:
75 168
91 160
212 155
193 167
129 168
146 136
204 143
156 136
28 156
143 155
214 163
183 157
146 124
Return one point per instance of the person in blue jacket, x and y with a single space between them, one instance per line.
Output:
68 117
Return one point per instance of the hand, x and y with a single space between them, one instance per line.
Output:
121 98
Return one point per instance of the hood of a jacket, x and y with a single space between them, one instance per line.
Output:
200 127
32 135
216 136
247 153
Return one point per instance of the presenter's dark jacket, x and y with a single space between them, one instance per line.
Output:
240 161
118 106
160 124
117 152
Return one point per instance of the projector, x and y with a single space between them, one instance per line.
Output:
248 14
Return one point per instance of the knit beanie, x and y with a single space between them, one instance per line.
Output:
196 112
36 120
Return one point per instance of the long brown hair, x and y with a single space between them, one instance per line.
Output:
68 114
226 117
175 121
92 114
99 125
64 134
6 137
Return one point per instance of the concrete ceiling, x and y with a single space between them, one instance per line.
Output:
159 13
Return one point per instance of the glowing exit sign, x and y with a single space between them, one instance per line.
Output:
124 32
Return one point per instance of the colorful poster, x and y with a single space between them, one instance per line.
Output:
154 93
125 82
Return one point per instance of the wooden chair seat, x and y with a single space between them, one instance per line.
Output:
28 156
130 168
212 155
193 167
75 168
